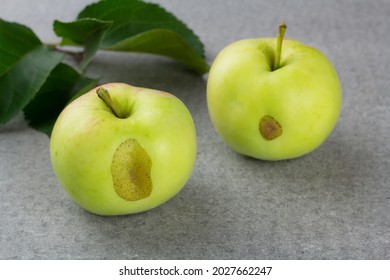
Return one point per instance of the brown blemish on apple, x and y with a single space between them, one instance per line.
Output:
130 169
270 128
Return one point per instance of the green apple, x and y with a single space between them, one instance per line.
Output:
120 149
273 98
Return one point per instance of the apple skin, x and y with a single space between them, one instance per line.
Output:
87 134
303 95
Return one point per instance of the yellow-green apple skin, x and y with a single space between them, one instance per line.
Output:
302 98
118 166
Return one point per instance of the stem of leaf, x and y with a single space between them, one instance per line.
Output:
77 55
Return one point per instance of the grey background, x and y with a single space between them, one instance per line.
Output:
331 204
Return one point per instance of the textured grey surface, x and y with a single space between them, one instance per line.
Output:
331 204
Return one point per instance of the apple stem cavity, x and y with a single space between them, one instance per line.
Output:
106 97
279 42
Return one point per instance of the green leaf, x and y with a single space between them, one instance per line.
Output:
143 27
62 86
20 84
131 17
87 31
15 41
164 42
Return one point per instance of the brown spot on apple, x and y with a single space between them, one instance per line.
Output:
130 169
270 128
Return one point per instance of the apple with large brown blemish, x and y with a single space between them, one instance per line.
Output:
273 98
120 149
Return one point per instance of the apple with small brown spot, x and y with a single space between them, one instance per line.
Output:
273 98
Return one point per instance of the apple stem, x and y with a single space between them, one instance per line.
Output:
279 42
106 97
